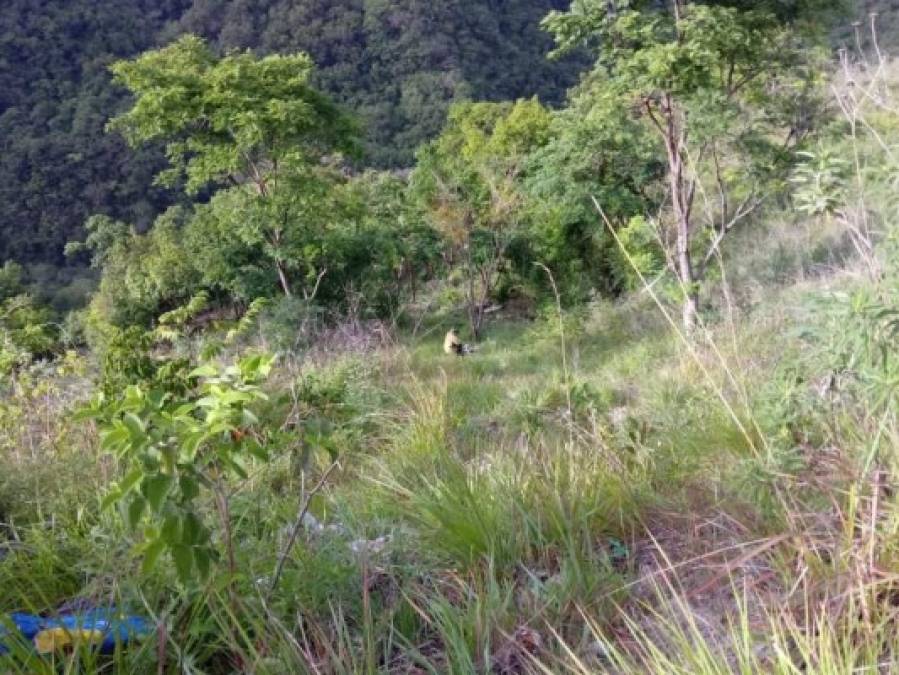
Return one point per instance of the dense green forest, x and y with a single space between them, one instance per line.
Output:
467 337
395 65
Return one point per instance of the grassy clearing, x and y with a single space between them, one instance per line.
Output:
648 507
586 493
589 492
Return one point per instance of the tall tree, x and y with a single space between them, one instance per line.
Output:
721 85
400 63
468 181
254 124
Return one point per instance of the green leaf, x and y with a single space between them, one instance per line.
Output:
133 396
191 443
189 487
151 555
256 450
249 366
134 424
136 508
184 561
130 480
150 462
171 529
248 419
183 410
234 466
157 398
155 488
111 498
87 413
203 561
112 439
206 370
193 530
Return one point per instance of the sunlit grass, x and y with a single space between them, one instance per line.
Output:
496 512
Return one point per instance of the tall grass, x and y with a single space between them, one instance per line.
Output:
588 493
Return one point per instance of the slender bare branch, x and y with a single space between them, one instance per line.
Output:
298 525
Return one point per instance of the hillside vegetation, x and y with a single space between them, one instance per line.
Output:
396 65
667 445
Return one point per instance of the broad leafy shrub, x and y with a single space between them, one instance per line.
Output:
177 449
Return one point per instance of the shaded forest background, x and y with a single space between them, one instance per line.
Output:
396 64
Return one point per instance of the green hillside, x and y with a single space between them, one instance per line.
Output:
396 65
595 384
57 166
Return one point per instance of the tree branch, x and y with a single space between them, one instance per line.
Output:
298 525
652 116
746 207
311 296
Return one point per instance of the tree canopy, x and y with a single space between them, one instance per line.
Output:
397 65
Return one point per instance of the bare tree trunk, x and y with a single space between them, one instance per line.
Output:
282 277
681 201
690 310
685 271
474 319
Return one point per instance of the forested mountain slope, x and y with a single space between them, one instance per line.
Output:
396 64
57 165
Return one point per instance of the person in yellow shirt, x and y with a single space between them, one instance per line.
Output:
453 345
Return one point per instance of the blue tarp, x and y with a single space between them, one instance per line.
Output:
106 628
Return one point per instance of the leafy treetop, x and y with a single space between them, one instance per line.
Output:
231 119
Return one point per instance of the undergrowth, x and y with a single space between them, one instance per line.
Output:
586 493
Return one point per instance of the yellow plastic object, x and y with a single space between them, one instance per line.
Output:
57 639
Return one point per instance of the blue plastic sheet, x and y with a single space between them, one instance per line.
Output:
101 628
